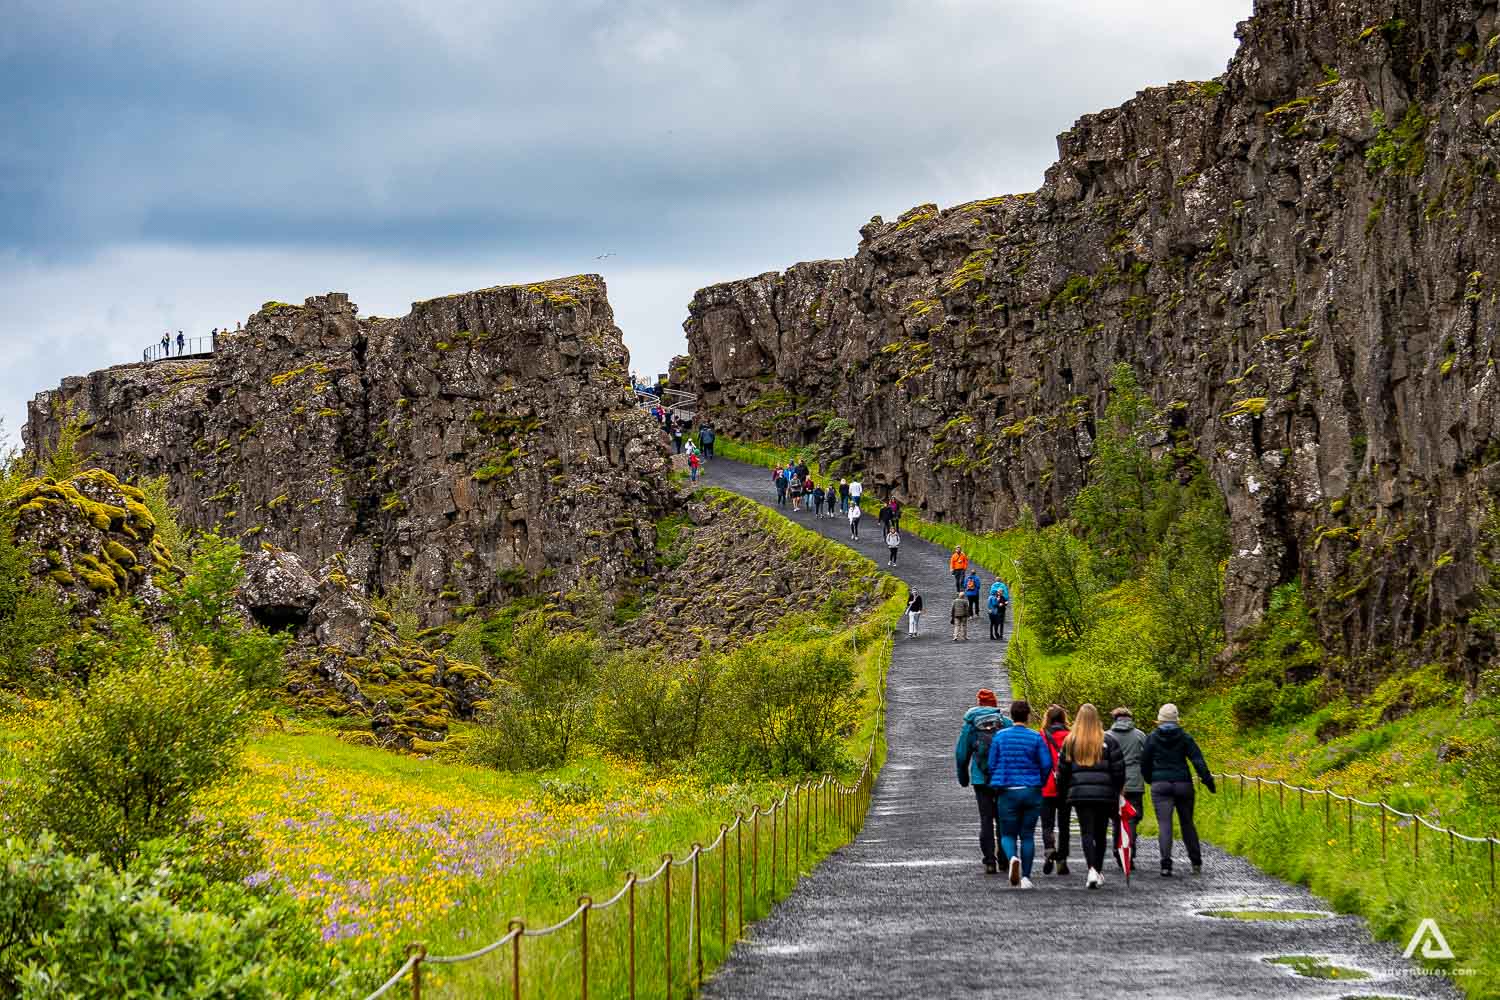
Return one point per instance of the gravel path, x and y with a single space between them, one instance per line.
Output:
906 911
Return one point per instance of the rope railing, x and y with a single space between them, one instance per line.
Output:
671 934
1352 828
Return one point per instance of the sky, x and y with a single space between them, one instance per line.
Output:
172 164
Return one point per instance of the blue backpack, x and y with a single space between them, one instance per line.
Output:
994 602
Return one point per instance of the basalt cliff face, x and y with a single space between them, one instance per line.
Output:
487 443
1301 261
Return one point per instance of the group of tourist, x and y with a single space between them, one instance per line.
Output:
167 342
794 482
1022 776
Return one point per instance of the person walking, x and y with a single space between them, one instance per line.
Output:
971 592
796 491
996 608
817 501
854 513
706 438
893 543
896 513
887 516
1055 809
166 344
959 564
913 615
1164 766
1020 763
958 617
693 462
844 496
971 754
677 437
1132 744
1091 774
778 478
856 490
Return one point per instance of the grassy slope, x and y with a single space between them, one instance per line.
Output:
1392 760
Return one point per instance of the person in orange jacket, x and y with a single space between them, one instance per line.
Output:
959 564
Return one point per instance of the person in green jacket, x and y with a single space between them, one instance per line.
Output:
1132 744
1164 766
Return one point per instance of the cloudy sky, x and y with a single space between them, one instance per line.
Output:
171 164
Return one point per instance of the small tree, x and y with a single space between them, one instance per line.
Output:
1061 585
204 613
542 705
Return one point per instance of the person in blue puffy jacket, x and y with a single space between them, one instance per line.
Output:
1020 762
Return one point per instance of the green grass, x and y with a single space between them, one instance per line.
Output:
1262 915
1315 967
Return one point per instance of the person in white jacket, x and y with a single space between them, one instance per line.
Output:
854 513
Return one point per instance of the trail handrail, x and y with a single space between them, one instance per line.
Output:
1385 809
191 347
813 807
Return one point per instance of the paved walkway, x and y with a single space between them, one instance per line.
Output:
906 911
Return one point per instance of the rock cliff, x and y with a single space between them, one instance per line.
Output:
1298 258
486 444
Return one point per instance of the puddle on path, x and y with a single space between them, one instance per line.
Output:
1319 967
1266 915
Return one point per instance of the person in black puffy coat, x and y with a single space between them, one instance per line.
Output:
1164 766
1091 774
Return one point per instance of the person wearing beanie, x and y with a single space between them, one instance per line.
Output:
971 754
1164 766
1132 743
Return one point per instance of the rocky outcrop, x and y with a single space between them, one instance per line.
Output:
486 443
1299 259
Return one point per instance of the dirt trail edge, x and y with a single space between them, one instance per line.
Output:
906 911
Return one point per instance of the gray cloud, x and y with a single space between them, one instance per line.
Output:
424 138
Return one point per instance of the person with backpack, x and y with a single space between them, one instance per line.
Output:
854 513
913 615
958 617
996 609
1164 766
1020 763
706 439
779 479
972 756
1091 774
1055 811
893 544
958 563
1132 744
971 592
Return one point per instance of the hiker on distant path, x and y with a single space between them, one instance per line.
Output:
181 343
778 479
1164 766
1054 806
818 501
1020 763
166 344
677 437
999 588
972 756
844 496
959 618
856 490
887 517
802 470
895 513
1091 774
995 605
913 615
959 564
693 462
971 593
893 543
1132 744
706 438
854 513
796 491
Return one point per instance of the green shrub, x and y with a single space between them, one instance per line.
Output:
204 613
1061 584
653 710
1253 703
30 617
118 765
542 705
72 927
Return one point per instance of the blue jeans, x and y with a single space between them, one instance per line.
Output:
1020 808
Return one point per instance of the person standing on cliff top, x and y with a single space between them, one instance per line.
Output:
181 343
166 344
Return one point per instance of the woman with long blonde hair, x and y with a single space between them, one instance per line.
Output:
1091 775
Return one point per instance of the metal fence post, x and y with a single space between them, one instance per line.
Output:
583 946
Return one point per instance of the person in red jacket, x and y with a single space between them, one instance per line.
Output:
1055 811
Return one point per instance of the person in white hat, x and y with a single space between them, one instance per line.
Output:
1164 766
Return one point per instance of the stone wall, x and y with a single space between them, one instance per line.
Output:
1299 259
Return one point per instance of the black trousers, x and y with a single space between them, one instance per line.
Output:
958 579
1056 812
996 625
1093 821
1001 626
989 825
973 605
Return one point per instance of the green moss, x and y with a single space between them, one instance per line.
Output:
971 271
1253 407
915 216
1401 148
287 377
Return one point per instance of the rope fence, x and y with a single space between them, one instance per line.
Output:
658 933
1350 822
